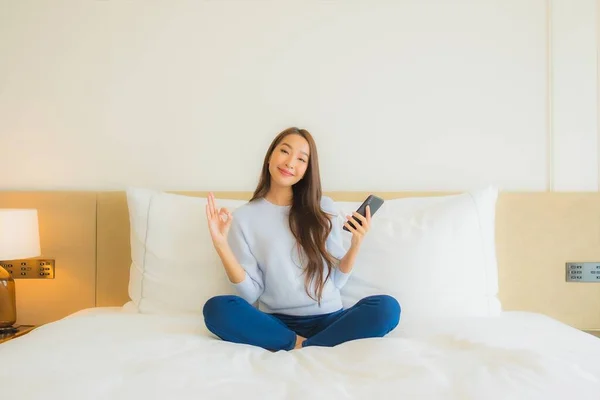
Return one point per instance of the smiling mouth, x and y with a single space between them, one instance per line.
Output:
285 173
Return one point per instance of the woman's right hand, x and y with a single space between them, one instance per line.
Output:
219 221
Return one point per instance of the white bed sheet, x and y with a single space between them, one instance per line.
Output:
106 353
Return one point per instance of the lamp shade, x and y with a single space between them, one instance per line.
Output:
19 234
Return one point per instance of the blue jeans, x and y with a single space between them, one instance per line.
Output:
233 319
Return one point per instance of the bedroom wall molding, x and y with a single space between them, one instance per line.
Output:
549 102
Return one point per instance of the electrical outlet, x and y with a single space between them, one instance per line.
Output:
583 272
30 268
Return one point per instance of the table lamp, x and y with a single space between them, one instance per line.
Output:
19 238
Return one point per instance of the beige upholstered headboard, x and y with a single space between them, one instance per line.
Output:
537 232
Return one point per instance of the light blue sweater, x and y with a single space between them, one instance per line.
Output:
263 244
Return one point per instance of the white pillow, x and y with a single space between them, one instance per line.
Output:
436 255
174 268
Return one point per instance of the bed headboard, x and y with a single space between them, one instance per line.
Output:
536 233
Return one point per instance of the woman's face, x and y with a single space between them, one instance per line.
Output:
289 160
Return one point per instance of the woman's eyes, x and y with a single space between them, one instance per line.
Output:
286 152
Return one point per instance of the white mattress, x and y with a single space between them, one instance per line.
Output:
106 353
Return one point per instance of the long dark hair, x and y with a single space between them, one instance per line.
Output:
309 224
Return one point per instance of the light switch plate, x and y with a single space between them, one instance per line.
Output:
583 272
30 268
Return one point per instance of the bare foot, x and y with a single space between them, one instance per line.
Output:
299 341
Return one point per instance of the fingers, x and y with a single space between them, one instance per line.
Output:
229 217
350 227
211 205
357 227
208 206
364 221
369 215
360 217
223 214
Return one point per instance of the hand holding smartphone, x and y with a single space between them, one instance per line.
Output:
374 204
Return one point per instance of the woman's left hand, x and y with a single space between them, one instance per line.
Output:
359 232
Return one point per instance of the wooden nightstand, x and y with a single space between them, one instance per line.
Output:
21 330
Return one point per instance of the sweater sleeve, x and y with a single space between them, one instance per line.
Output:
252 286
335 241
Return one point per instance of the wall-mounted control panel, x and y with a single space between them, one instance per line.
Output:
29 268
583 272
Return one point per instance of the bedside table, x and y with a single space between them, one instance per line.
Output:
21 330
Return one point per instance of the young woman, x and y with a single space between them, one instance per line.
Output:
282 249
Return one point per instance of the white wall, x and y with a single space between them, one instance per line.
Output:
574 92
400 95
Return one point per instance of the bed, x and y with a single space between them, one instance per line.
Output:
455 340
108 353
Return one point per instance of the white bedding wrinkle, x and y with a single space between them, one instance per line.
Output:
105 353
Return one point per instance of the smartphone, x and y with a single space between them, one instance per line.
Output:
374 204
